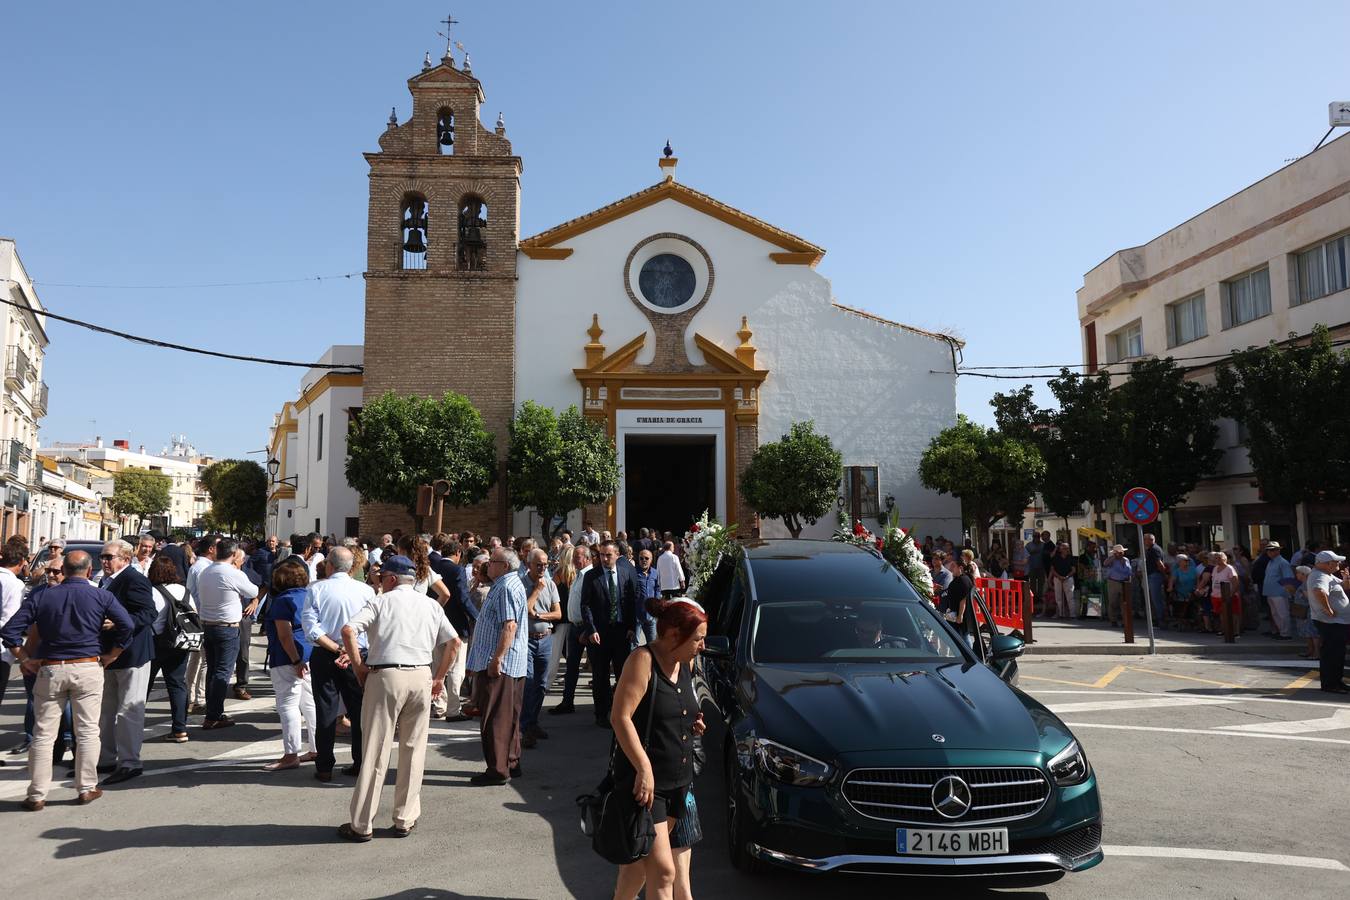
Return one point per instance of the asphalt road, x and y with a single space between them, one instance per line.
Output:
1196 761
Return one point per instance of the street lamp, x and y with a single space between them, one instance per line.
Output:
274 467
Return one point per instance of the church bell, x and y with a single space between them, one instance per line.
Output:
447 133
415 243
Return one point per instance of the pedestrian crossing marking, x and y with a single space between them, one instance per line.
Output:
1301 681
1108 677
1141 703
1226 684
1334 722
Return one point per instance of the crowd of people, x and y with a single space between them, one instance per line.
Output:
1297 593
374 638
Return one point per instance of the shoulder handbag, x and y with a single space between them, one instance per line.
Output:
622 831
183 631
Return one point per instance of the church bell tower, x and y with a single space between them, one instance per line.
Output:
443 226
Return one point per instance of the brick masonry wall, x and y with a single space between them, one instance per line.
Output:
440 329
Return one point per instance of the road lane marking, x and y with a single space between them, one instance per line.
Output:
1334 722
1108 677
1246 734
1231 698
1227 684
1302 681
1141 703
1054 681
1269 859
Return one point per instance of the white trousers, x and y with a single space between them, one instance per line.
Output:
1063 596
295 705
1279 614
196 678
122 718
449 702
561 632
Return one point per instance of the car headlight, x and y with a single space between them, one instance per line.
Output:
1069 766
790 765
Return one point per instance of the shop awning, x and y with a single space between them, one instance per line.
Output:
1093 533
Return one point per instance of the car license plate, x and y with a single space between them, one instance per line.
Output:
945 842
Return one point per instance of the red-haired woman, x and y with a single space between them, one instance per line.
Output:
662 772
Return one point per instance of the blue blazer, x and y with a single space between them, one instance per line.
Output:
595 597
136 595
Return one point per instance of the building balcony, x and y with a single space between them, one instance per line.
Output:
17 367
40 401
12 455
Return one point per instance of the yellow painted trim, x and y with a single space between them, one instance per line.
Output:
616 360
546 252
790 258
726 361
282 493
320 387
680 193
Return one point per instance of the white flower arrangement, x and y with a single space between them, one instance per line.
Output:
705 544
896 546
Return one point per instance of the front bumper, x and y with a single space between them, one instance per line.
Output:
1071 852
816 830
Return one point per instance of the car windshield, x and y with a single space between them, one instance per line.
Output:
802 631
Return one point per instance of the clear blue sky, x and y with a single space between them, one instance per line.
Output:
963 164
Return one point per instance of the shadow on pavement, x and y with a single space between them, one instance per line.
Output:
93 841
438 894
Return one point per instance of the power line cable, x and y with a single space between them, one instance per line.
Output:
976 370
136 338
175 287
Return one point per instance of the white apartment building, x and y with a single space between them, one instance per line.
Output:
188 500
66 507
307 446
1271 260
25 394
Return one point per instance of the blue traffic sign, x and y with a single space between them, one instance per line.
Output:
1140 506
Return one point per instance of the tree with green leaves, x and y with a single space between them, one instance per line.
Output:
238 490
558 463
993 474
1170 438
140 493
1298 451
1156 430
795 479
403 441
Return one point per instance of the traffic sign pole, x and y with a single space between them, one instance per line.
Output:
1140 506
1148 593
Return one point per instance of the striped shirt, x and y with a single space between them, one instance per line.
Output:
505 603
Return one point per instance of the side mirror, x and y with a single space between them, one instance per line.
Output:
1007 646
717 646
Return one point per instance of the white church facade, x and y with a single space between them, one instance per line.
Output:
690 329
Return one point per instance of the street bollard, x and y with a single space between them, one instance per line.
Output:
1127 609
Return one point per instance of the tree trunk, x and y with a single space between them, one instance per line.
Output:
794 526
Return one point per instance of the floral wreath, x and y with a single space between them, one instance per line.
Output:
896 546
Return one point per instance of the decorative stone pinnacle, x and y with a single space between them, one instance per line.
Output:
501 124
595 351
393 117
426 61
746 351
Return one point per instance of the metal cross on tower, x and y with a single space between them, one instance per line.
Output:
449 22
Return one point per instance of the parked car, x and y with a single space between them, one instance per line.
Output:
864 733
39 559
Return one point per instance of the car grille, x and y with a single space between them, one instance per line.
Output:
1073 844
906 795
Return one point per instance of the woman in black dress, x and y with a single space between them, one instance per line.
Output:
661 773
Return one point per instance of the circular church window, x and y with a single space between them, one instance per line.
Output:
667 281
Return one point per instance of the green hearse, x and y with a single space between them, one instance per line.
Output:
866 733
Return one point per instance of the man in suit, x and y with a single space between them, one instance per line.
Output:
127 680
609 619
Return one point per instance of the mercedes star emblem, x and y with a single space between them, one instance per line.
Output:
951 797
939 738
